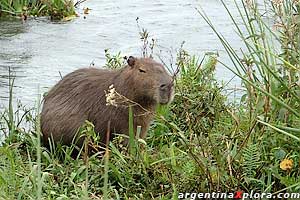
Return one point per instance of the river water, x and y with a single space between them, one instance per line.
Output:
39 50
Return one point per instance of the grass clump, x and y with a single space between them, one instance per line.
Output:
269 70
56 9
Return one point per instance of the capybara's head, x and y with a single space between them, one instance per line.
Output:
150 81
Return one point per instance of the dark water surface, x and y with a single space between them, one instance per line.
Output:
38 50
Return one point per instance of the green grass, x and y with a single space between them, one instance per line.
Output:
55 9
200 143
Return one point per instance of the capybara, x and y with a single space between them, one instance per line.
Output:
81 95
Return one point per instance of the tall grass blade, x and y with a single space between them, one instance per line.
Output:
11 123
131 133
279 130
38 150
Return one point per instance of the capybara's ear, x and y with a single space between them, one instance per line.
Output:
131 61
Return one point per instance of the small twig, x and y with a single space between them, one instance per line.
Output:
60 75
107 136
229 161
79 2
245 140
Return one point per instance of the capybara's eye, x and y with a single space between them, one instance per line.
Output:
141 70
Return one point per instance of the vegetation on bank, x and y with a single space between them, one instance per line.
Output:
200 143
55 9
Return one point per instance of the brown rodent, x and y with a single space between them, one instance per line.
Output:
80 96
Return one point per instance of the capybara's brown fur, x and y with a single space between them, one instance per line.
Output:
80 96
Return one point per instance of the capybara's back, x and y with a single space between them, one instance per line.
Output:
69 102
80 96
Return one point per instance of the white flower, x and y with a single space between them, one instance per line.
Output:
111 96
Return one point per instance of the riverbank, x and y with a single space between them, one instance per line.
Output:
200 143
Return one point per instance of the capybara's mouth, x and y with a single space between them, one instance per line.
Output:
168 97
164 102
